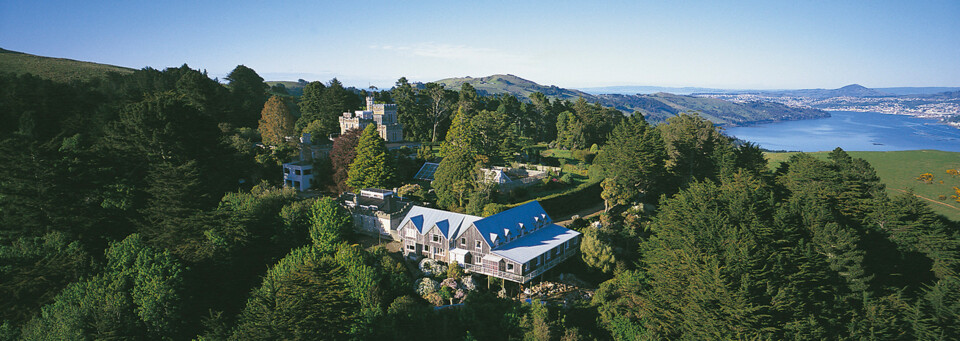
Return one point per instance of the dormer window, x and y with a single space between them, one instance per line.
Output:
436 238
479 246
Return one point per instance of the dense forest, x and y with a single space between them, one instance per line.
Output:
148 206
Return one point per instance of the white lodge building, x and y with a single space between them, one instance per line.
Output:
516 245
384 116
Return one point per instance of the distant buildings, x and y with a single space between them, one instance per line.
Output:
507 178
384 116
298 174
516 245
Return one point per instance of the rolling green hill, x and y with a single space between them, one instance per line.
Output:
55 69
655 107
498 84
899 171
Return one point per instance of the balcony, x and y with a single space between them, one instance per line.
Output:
518 278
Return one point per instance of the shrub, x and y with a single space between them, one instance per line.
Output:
426 286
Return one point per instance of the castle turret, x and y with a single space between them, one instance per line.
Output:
369 103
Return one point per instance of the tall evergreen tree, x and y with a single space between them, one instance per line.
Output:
455 177
634 156
372 167
694 147
311 106
305 296
249 93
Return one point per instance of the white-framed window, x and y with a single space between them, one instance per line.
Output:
463 241
411 247
479 246
426 248
436 237
509 266
438 251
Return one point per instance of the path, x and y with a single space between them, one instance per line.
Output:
928 199
584 213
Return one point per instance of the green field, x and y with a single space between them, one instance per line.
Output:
55 69
899 171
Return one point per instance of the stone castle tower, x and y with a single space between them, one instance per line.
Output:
384 116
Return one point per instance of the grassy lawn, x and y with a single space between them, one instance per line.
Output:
558 153
899 171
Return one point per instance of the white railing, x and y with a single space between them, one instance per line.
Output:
518 278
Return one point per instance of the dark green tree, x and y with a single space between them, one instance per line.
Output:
305 296
372 167
139 295
694 148
634 157
249 94
455 177
311 106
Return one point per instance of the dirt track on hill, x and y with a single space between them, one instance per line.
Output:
928 199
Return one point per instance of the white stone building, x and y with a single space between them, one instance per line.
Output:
384 116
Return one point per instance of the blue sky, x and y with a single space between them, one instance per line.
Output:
746 44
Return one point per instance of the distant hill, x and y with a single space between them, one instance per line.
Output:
655 107
930 90
658 107
56 69
852 90
498 84
293 88
642 89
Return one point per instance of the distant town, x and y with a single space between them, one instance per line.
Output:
943 107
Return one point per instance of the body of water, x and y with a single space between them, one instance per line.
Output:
853 131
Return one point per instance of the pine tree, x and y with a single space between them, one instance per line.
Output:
249 93
311 106
634 157
305 296
455 177
372 167
276 122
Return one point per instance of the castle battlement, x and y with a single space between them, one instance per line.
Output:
384 116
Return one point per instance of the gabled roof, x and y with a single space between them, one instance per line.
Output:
535 244
529 215
449 223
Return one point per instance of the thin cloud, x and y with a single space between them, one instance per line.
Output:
454 52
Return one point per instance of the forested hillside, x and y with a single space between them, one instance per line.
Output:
149 205
655 107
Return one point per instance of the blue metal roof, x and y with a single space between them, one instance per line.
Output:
449 223
529 217
533 245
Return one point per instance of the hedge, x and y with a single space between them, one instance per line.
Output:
559 204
